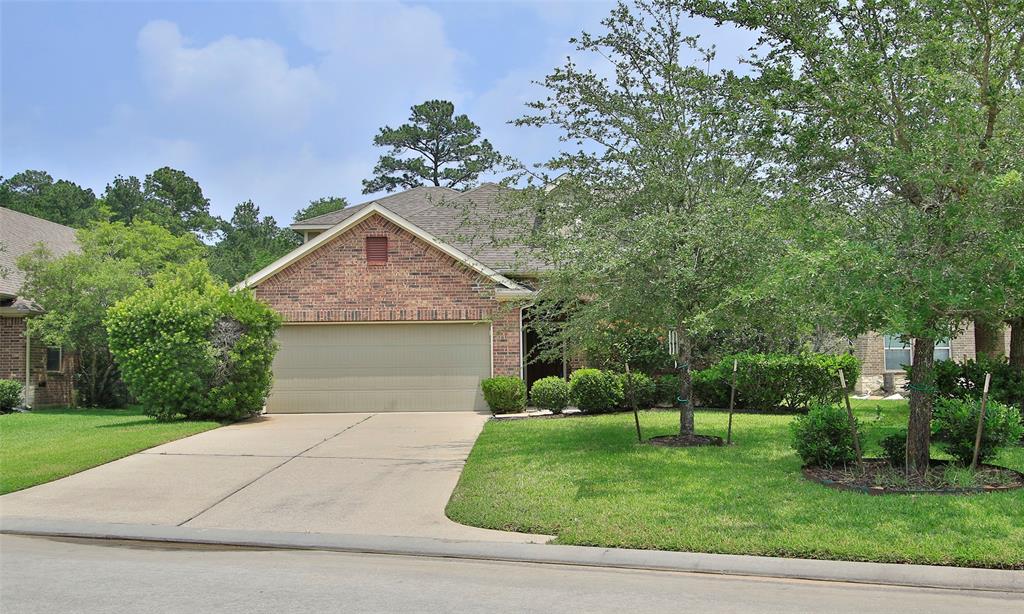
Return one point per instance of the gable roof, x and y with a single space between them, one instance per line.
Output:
351 221
463 220
20 233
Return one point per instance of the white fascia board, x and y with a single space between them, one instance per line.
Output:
373 209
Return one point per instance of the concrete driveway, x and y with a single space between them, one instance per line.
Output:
365 474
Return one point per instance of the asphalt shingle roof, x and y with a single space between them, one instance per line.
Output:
20 233
464 220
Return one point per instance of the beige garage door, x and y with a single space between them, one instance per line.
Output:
380 367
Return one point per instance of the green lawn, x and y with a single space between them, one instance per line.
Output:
48 444
587 481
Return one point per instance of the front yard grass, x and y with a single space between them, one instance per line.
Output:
47 444
587 481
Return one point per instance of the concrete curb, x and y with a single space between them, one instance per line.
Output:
923 576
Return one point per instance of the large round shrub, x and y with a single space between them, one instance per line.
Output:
593 390
190 346
10 394
504 393
955 422
550 393
822 438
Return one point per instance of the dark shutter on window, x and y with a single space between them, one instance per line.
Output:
376 250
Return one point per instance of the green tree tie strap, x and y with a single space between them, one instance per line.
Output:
923 388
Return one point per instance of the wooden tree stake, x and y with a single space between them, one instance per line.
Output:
732 401
632 403
981 423
853 422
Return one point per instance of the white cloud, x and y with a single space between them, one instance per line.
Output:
243 79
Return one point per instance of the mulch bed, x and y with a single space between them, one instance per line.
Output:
880 478
686 441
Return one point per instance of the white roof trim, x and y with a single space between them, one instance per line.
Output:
372 209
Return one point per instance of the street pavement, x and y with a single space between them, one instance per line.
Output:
48 575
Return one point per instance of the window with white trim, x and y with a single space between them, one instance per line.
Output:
897 352
943 350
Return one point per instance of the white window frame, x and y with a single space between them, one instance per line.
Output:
887 347
942 346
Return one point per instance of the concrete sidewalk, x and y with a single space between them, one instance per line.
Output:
955 578
365 474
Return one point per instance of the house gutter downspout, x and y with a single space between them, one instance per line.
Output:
29 392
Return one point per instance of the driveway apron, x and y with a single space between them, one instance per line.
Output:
363 474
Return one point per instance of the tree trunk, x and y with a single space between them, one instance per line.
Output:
1017 342
919 427
988 339
685 384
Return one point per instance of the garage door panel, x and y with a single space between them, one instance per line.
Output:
380 367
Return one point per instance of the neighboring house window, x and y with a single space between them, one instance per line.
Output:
897 353
376 250
943 350
54 359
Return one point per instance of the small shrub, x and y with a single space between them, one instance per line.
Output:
822 437
643 387
595 391
189 346
10 394
955 425
666 389
894 448
504 394
550 393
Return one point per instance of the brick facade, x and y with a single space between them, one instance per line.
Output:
870 349
48 388
419 283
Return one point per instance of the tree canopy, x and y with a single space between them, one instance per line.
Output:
436 148
249 243
36 193
895 131
320 206
76 290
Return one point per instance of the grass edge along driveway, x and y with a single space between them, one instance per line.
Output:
48 444
587 481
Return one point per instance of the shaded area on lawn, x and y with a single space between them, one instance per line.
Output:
48 444
589 482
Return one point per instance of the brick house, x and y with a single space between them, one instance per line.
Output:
387 306
882 357
47 372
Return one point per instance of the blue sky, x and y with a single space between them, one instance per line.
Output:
274 102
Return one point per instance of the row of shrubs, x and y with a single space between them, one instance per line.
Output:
764 382
591 390
776 381
822 438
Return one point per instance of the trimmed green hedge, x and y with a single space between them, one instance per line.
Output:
595 391
550 393
10 394
643 387
955 425
965 380
776 381
504 394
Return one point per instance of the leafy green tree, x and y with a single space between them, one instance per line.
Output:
320 206
36 193
124 199
896 126
658 220
249 243
76 290
175 201
436 147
